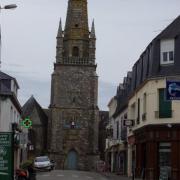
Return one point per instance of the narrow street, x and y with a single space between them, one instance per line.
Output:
69 175
78 175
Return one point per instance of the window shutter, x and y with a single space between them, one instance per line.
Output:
165 107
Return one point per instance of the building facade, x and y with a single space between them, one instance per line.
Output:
103 121
116 145
37 134
10 116
74 114
154 139
151 117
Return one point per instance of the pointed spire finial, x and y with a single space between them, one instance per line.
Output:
60 32
93 33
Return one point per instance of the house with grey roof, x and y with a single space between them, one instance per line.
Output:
10 116
116 142
154 139
37 134
153 136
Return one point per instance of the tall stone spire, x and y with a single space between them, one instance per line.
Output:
59 47
92 44
60 31
93 33
77 20
74 114
76 33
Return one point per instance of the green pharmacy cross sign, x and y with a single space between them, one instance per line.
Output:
27 123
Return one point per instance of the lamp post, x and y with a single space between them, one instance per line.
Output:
10 160
9 6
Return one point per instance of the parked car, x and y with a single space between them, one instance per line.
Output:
42 163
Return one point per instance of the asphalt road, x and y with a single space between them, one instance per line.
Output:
69 175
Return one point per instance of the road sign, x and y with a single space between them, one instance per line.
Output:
6 156
172 90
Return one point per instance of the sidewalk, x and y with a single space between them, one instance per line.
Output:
112 176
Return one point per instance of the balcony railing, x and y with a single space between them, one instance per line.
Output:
77 60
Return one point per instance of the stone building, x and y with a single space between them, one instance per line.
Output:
37 134
74 114
103 121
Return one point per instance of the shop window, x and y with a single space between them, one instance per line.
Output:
164 160
165 107
75 52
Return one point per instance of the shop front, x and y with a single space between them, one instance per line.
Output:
131 156
157 152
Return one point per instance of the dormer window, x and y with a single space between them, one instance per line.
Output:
167 51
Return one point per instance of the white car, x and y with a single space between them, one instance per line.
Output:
42 162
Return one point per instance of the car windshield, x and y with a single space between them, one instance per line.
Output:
41 159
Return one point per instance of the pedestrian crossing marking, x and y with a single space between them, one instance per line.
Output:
75 176
46 175
60 175
89 177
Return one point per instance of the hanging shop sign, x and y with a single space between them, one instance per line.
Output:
128 122
172 90
6 156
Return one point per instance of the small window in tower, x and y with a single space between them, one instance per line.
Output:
76 25
75 52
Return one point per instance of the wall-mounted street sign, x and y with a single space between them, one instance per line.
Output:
6 156
27 123
128 122
172 90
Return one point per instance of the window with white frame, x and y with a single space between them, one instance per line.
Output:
167 51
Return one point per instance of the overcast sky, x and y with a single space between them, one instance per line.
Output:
123 28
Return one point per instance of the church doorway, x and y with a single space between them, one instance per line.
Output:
72 160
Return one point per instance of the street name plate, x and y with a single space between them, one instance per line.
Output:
6 156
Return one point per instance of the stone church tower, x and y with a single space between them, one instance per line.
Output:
74 114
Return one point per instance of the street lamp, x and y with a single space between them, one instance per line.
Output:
9 6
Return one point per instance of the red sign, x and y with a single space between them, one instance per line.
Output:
131 140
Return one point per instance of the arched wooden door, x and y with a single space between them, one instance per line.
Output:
72 160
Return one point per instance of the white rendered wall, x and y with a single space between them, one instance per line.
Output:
8 116
152 96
